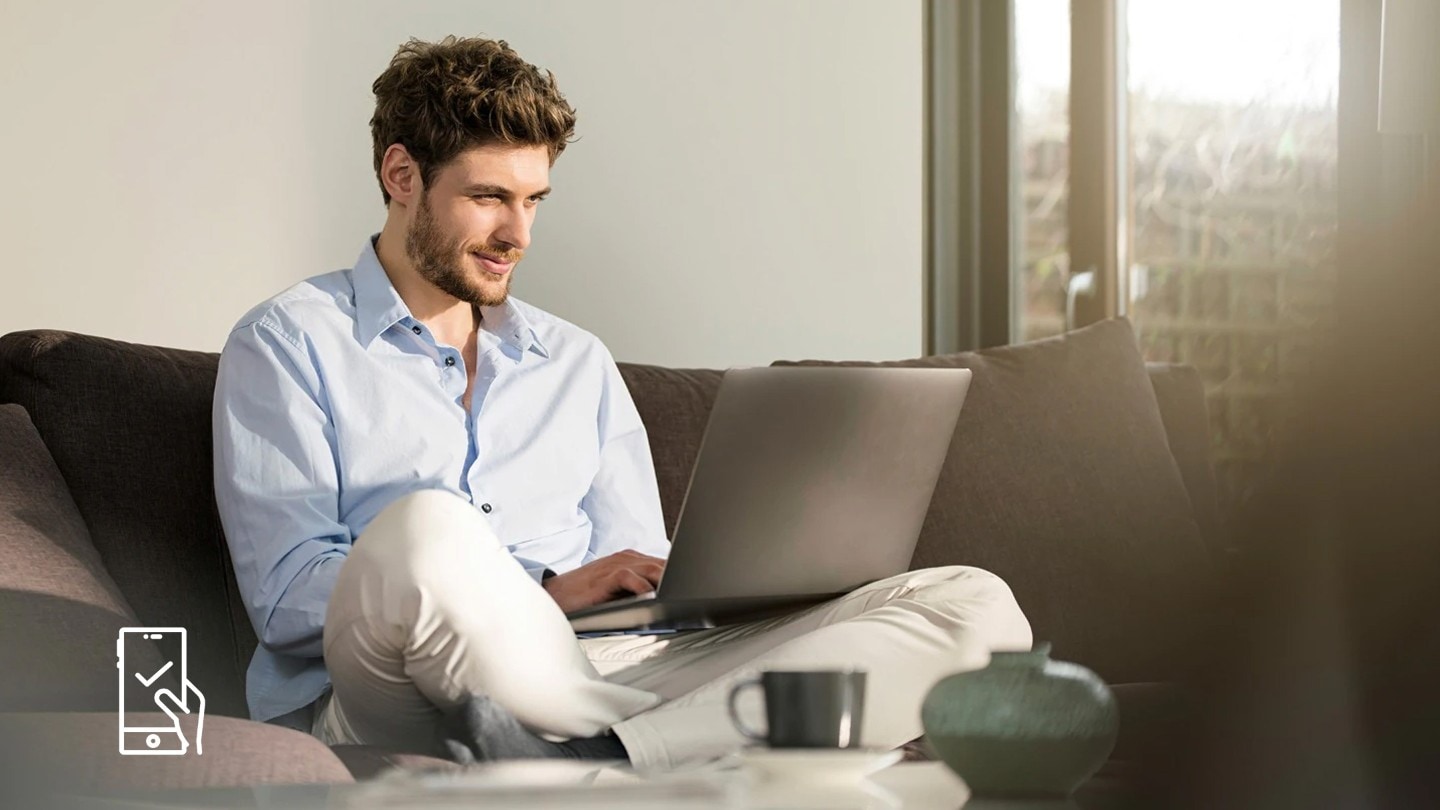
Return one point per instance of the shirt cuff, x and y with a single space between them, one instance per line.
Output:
537 572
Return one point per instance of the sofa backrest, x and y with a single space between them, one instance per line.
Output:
128 426
675 403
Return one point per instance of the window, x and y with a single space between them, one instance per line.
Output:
1233 202
1042 100
1223 195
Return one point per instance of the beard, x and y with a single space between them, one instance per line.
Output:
444 262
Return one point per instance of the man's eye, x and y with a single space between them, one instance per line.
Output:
497 196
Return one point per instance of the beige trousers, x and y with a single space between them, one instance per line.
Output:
430 608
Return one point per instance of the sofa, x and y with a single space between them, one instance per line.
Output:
1078 473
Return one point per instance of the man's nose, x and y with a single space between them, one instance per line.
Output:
514 229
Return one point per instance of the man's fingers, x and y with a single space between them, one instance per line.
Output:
650 571
632 582
632 555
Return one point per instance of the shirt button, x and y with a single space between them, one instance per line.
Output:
415 329
449 361
485 507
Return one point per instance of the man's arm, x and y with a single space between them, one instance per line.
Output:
624 499
277 487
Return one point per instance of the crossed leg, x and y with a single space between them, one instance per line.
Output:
430 608
906 632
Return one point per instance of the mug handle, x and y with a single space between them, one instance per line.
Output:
735 715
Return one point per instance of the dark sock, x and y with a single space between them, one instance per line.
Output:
484 731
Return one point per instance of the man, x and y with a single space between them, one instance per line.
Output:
419 474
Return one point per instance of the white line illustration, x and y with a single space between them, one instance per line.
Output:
143 694
152 678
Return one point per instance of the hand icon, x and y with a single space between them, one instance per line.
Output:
179 704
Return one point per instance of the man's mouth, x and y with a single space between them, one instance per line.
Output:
497 267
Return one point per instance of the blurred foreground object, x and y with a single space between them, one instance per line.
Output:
1024 726
1324 655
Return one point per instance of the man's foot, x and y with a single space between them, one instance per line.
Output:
482 730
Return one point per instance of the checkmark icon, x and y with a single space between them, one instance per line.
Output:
153 678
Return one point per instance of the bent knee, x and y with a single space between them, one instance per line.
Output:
950 579
421 530
978 599
426 503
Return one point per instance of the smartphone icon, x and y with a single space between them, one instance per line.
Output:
150 707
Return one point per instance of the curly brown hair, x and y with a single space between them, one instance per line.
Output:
438 99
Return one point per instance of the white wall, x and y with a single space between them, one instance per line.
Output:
747 183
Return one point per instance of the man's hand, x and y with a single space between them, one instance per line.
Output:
621 574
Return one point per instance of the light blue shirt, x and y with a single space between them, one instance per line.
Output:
332 401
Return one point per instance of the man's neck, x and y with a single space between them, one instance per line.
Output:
452 320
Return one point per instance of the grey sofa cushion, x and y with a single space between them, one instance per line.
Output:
60 612
129 428
371 761
75 753
1060 480
1180 393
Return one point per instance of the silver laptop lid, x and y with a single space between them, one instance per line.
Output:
812 480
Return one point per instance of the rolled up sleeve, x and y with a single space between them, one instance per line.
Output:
277 486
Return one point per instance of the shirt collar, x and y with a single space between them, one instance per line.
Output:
509 324
378 307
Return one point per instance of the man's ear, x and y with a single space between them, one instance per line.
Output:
400 174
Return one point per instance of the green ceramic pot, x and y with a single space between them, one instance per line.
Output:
1024 726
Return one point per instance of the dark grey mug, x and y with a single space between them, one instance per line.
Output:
807 709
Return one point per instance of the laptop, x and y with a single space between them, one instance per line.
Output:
810 482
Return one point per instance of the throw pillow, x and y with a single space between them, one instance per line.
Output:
1060 480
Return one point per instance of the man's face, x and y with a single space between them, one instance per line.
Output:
480 205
